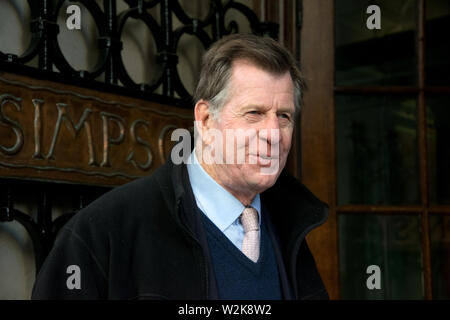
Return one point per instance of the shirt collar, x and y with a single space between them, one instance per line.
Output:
219 205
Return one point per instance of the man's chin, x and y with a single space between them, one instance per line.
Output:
269 169
263 182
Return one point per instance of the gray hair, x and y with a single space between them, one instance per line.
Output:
263 52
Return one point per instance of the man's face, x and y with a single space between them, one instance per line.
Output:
261 106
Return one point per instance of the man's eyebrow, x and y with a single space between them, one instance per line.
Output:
286 109
250 106
255 106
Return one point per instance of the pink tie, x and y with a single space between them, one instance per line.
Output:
250 245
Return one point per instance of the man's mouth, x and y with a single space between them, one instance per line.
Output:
265 156
264 160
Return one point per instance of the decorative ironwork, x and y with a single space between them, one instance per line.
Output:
110 25
43 230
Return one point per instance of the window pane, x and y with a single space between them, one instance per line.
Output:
437 42
440 255
393 243
377 157
385 56
438 134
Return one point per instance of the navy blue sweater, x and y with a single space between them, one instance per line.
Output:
238 277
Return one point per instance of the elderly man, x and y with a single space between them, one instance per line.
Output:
228 224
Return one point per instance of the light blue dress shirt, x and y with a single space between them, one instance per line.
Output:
219 205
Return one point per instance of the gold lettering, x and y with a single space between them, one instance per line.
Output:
74 128
107 140
37 128
4 99
138 140
161 141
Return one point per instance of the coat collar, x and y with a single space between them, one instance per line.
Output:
294 210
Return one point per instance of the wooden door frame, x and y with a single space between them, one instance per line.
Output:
318 160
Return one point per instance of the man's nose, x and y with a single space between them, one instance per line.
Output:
271 130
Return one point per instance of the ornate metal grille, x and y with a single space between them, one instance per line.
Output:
110 25
43 229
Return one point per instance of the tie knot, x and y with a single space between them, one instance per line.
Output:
250 219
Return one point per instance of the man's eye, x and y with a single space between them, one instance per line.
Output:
285 116
253 114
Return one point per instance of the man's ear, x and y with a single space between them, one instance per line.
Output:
202 114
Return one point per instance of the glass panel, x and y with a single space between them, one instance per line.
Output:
393 243
16 262
437 42
385 56
440 255
438 135
377 160
79 47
